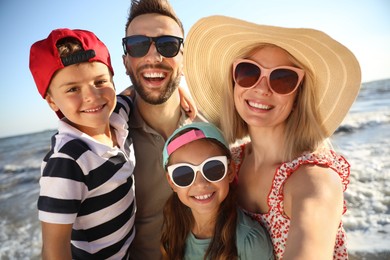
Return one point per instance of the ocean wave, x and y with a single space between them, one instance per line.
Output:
371 109
378 86
27 244
12 168
12 176
359 121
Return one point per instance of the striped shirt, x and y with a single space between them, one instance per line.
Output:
91 185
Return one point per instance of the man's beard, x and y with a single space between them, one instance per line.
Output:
165 93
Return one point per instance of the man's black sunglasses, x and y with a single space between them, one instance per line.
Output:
138 45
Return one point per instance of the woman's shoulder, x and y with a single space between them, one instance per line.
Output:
327 158
253 241
315 180
319 165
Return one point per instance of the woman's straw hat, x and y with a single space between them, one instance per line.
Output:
214 42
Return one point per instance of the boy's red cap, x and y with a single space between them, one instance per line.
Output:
45 59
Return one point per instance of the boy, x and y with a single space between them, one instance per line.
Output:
86 203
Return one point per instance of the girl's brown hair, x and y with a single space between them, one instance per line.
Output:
178 223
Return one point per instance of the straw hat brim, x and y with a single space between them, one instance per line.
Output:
214 42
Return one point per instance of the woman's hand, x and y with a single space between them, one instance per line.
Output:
187 103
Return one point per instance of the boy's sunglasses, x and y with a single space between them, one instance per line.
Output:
282 80
138 46
213 169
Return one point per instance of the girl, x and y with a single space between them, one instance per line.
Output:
201 218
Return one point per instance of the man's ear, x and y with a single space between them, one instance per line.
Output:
125 63
51 103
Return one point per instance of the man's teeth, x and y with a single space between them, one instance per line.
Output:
257 105
203 197
154 75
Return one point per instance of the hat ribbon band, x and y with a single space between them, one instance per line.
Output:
184 139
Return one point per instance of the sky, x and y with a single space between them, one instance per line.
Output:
361 25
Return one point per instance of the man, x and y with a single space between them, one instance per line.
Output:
154 64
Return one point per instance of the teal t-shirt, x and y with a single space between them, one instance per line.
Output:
252 241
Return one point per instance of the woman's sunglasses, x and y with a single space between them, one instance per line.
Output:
138 45
282 80
213 169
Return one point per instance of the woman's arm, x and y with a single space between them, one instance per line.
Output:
56 241
314 203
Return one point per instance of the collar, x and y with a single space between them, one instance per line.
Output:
67 132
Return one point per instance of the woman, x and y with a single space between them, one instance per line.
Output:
287 90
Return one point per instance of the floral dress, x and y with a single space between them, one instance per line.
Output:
274 220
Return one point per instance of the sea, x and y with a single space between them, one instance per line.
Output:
363 139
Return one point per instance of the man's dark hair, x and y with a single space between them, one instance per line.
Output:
163 7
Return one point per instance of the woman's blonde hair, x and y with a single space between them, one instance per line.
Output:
303 131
